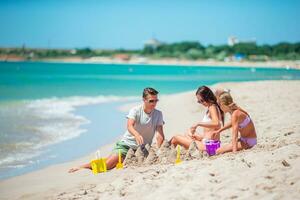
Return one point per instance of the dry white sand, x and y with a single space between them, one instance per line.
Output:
295 64
268 171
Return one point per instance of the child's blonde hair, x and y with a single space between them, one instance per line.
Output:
226 99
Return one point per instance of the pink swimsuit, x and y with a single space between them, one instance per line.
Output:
249 141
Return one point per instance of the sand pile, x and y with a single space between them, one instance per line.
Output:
166 154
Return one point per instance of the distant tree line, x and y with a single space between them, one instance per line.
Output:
182 50
194 50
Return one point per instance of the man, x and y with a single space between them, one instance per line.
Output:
143 122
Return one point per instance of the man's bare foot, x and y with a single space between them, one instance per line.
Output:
74 169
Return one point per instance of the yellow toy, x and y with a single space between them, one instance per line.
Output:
99 164
177 161
120 164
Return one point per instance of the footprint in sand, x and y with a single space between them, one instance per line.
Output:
289 133
285 163
268 177
249 164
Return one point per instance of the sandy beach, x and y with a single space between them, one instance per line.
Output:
294 64
270 170
286 64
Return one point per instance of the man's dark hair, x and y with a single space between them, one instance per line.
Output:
150 91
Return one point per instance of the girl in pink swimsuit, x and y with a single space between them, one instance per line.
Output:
240 123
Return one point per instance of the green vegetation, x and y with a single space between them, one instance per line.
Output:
247 51
182 50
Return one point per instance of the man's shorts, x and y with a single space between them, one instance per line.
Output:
120 145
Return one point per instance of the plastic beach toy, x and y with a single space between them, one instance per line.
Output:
99 164
119 164
177 161
212 146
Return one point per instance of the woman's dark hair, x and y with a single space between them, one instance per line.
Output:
209 97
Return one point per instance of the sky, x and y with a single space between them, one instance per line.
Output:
112 24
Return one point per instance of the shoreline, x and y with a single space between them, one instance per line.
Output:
285 64
51 155
188 111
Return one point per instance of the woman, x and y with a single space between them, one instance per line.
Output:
240 123
211 121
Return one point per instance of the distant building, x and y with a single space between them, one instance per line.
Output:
31 55
153 43
232 40
73 51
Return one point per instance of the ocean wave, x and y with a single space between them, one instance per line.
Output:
28 126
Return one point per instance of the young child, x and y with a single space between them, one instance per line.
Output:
240 123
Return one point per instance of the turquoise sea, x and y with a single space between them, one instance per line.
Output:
45 108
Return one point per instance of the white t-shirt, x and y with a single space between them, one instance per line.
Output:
145 124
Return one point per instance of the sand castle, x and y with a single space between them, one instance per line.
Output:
166 154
